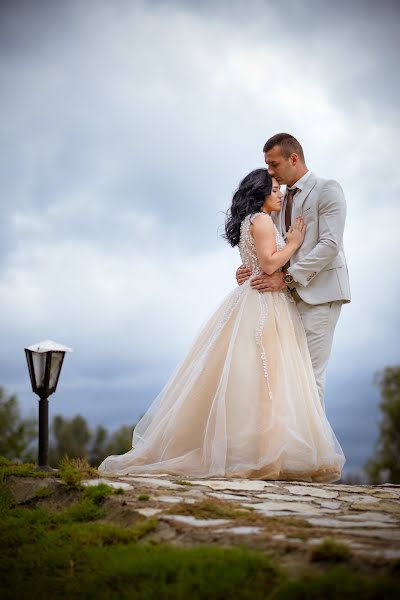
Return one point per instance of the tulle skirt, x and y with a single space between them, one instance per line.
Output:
243 402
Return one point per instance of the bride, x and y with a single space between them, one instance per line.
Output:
244 401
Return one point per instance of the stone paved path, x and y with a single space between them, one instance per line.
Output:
266 514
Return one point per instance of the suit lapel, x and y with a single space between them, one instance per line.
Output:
279 218
300 198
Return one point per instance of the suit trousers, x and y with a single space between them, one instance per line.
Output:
319 322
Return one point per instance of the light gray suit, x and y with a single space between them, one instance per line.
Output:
319 266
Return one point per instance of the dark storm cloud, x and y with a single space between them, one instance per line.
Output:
65 133
353 45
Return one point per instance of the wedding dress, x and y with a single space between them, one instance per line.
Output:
244 402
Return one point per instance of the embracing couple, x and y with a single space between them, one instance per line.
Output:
248 399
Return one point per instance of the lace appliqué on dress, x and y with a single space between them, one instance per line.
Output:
248 254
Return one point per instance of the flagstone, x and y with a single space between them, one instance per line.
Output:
223 496
296 507
369 515
175 499
279 536
301 490
387 507
360 499
144 476
249 485
285 497
148 511
241 530
389 533
356 489
155 482
114 484
387 495
189 520
332 504
339 523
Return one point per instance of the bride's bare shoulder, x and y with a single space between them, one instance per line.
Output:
264 221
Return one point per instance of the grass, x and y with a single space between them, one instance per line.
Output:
98 493
97 560
331 551
8 468
209 509
73 470
6 499
395 567
143 497
74 556
182 482
340 583
143 527
44 492
90 506
84 510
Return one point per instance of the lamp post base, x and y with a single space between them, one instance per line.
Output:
46 468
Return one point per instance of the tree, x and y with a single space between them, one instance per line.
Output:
70 438
74 438
16 434
385 466
104 445
121 440
98 450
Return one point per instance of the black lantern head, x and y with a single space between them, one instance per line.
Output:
45 360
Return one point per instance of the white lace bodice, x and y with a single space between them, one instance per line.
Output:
247 246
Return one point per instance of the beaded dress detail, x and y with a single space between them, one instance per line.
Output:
243 402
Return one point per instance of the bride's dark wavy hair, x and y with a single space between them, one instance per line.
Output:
248 198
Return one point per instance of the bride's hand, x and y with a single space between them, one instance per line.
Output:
297 231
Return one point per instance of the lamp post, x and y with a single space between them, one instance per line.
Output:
45 360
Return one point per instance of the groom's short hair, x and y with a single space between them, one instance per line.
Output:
287 143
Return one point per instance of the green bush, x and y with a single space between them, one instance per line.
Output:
84 510
340 583
330 550
9 467
73 470
44 492
97 493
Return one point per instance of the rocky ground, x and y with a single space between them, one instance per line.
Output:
285 516
287 519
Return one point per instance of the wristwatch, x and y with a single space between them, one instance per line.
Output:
288 278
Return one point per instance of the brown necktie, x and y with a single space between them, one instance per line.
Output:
289 203
288 216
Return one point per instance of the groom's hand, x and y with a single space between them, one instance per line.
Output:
242 274
268 283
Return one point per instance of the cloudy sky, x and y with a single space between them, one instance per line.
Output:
126 125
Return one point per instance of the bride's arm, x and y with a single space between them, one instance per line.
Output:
269 257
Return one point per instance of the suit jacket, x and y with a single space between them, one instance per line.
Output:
319 266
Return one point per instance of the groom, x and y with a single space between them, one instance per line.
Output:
317 275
